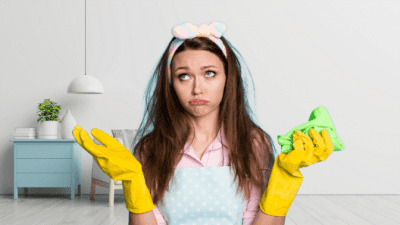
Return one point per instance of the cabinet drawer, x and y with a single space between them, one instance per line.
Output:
43 151
43 165
43 180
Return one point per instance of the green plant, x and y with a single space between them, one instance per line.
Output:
48 111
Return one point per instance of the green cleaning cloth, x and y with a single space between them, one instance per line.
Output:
319 119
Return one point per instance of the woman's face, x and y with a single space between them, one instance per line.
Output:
198 74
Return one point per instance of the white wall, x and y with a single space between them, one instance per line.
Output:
343 55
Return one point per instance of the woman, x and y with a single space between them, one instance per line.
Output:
198 149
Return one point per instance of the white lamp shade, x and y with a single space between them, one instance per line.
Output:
85 84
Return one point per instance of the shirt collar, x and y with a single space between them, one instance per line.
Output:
215 145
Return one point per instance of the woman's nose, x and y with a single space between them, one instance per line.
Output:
198 84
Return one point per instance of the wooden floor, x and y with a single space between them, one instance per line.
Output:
306 209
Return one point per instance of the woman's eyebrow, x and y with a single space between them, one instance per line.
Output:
204 67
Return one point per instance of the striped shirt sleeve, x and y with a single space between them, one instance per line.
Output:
251 207
159 216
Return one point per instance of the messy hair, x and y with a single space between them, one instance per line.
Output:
165 127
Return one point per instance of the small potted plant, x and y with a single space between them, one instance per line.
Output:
48 122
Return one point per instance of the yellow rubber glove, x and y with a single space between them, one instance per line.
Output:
118 163
285 178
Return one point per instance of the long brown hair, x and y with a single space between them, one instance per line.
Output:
165 130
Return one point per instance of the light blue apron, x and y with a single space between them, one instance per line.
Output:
203 196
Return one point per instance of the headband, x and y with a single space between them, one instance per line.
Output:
187 31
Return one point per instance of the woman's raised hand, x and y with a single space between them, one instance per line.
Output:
305 153
118 163
113 158
285 178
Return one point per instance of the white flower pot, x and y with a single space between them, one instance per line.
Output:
68 124
48 129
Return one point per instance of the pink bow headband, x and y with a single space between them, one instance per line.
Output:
187 31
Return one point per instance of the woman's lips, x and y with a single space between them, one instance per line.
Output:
198 102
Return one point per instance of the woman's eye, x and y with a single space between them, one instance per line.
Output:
181 76
184 74
211 72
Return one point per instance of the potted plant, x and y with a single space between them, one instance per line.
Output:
48 121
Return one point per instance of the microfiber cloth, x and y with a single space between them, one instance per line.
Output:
319 119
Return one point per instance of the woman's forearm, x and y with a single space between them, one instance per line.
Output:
146 218
265 219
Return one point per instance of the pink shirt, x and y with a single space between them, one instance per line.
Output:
213 157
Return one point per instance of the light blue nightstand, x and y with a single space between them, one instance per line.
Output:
47 163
